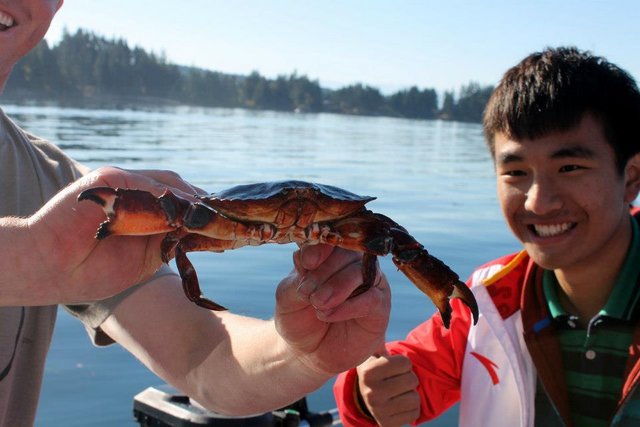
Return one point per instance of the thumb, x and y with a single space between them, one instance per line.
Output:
381 351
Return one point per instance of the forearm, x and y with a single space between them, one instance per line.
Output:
257 371
228 363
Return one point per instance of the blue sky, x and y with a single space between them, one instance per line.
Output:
387 44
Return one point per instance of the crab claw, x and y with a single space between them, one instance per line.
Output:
462 292
437 281
130 212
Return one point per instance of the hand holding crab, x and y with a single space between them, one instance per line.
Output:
276 212
315 315
55 245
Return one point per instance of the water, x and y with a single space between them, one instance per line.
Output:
433 177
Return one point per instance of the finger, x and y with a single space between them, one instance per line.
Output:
387 369
170 179
297 261
120 178
398 418
407 401
341 300
390 405
334 281
405 407
153 181
312 256
399 384
292 292
371 307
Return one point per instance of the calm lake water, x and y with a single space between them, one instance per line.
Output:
435 178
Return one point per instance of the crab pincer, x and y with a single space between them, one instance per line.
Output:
438 281
135 212
429 274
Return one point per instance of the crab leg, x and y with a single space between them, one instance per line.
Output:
438 282
190 282
375 234
361 233
429 274
368 274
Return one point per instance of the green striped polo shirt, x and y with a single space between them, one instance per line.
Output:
595 357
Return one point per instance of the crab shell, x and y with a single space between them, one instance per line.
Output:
286 203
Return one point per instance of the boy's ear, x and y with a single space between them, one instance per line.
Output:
632 178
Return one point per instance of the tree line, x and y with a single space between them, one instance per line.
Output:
84 67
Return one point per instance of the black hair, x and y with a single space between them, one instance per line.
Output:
552 90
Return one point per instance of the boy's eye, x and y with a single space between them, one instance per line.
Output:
514 172
570 168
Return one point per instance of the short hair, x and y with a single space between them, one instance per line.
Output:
552 90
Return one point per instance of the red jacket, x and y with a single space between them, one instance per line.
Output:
492 368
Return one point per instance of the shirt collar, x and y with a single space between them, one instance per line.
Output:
625 294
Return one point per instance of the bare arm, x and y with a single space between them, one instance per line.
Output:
239 365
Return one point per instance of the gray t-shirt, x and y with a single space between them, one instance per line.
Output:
32 170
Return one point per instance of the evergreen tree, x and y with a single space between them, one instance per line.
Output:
470 105
84 65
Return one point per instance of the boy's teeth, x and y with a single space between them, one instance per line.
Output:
6 21
551 230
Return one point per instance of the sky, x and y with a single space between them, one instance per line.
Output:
390 45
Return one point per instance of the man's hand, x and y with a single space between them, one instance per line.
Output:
314 314
56 258
387 385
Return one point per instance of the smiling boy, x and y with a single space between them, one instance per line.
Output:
557 196
558 337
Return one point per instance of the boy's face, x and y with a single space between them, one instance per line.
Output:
28 21
563 198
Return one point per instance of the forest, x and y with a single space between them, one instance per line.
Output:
87 69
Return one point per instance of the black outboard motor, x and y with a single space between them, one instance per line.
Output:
166 407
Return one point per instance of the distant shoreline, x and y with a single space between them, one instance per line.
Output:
84 69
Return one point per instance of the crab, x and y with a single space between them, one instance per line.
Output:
276 212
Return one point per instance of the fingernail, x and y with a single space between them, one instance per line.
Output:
306 288
324 314
310 256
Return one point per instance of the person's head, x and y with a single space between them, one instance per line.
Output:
23 23
562 130
552 90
